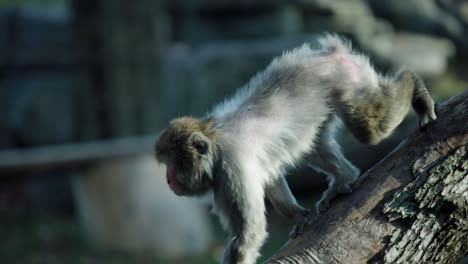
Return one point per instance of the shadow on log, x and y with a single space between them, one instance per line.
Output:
412 207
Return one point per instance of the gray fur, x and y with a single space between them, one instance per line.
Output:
290 110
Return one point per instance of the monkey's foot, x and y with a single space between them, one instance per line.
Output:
322 205
427 118
299 227
330 194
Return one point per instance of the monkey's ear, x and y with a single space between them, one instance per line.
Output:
200 143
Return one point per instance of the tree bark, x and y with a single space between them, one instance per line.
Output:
412 207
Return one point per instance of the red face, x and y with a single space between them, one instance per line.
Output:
183 152
173 183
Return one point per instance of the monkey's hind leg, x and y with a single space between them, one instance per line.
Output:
329 159
284 202
422 101
372 113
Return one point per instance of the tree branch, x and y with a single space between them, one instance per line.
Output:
411 207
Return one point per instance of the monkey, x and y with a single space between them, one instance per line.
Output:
240 151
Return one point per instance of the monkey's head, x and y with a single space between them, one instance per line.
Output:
186 149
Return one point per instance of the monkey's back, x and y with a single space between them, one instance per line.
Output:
278 115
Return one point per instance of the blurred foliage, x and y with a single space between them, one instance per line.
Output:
447 86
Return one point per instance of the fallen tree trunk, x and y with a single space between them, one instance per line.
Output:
412 207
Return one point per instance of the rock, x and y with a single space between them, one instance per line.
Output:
422 16
225 24
197 5
426 55
387 48
126 204
463 9
377 38
351 17
456 8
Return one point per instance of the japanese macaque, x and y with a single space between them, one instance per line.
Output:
242 149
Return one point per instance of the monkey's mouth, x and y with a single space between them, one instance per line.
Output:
171 178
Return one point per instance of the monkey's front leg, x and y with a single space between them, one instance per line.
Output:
241 208
246 238
284 202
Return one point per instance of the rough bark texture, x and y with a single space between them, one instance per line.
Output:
412 207
435 204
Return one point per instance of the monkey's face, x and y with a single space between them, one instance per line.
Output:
186 152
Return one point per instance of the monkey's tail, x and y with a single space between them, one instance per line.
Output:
332 43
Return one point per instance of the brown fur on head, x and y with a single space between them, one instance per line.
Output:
187 150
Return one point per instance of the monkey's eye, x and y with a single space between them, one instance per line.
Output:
199 143
201 147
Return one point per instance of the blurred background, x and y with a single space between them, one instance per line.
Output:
86 85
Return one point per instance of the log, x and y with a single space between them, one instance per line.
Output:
412 207
16 161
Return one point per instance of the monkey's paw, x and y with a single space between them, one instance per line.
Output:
322 206
299 227
344 189
330 194
427 118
